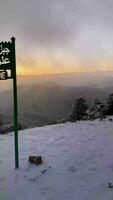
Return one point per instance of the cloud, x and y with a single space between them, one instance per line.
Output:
80 28
53 21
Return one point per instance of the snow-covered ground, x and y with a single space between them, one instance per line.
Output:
78 163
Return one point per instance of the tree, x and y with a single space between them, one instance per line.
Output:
1 123
79 110
95 110
108 105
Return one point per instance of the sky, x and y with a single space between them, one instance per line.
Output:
59 36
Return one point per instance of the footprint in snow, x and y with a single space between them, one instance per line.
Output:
41 173
72 169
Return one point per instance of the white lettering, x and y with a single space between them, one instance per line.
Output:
3 75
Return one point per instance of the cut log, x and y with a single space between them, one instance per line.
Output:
37 160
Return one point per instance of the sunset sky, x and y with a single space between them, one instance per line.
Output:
59 36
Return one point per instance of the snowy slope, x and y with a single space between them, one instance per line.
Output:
78 163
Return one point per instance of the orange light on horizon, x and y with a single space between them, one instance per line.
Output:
47 66
47 70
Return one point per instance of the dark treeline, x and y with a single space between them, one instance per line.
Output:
98 109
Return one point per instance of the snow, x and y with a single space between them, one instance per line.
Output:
78 163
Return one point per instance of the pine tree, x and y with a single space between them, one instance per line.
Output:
95 110
79 110
108 105
1 123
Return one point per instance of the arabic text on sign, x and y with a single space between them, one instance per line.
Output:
4 52
3 75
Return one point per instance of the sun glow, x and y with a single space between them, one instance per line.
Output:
46 65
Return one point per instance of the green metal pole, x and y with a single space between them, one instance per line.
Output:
15 104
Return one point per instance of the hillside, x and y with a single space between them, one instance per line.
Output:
43 103
78 163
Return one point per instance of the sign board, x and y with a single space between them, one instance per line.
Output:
6 58
8 63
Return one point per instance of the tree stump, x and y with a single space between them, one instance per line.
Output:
37 160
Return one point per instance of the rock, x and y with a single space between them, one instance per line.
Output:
110 119
110 185
37 160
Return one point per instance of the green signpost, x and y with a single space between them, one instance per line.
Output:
8 71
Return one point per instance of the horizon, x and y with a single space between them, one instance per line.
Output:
78 79
65 73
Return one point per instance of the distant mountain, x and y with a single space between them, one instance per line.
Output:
79 79
43 103
86 79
